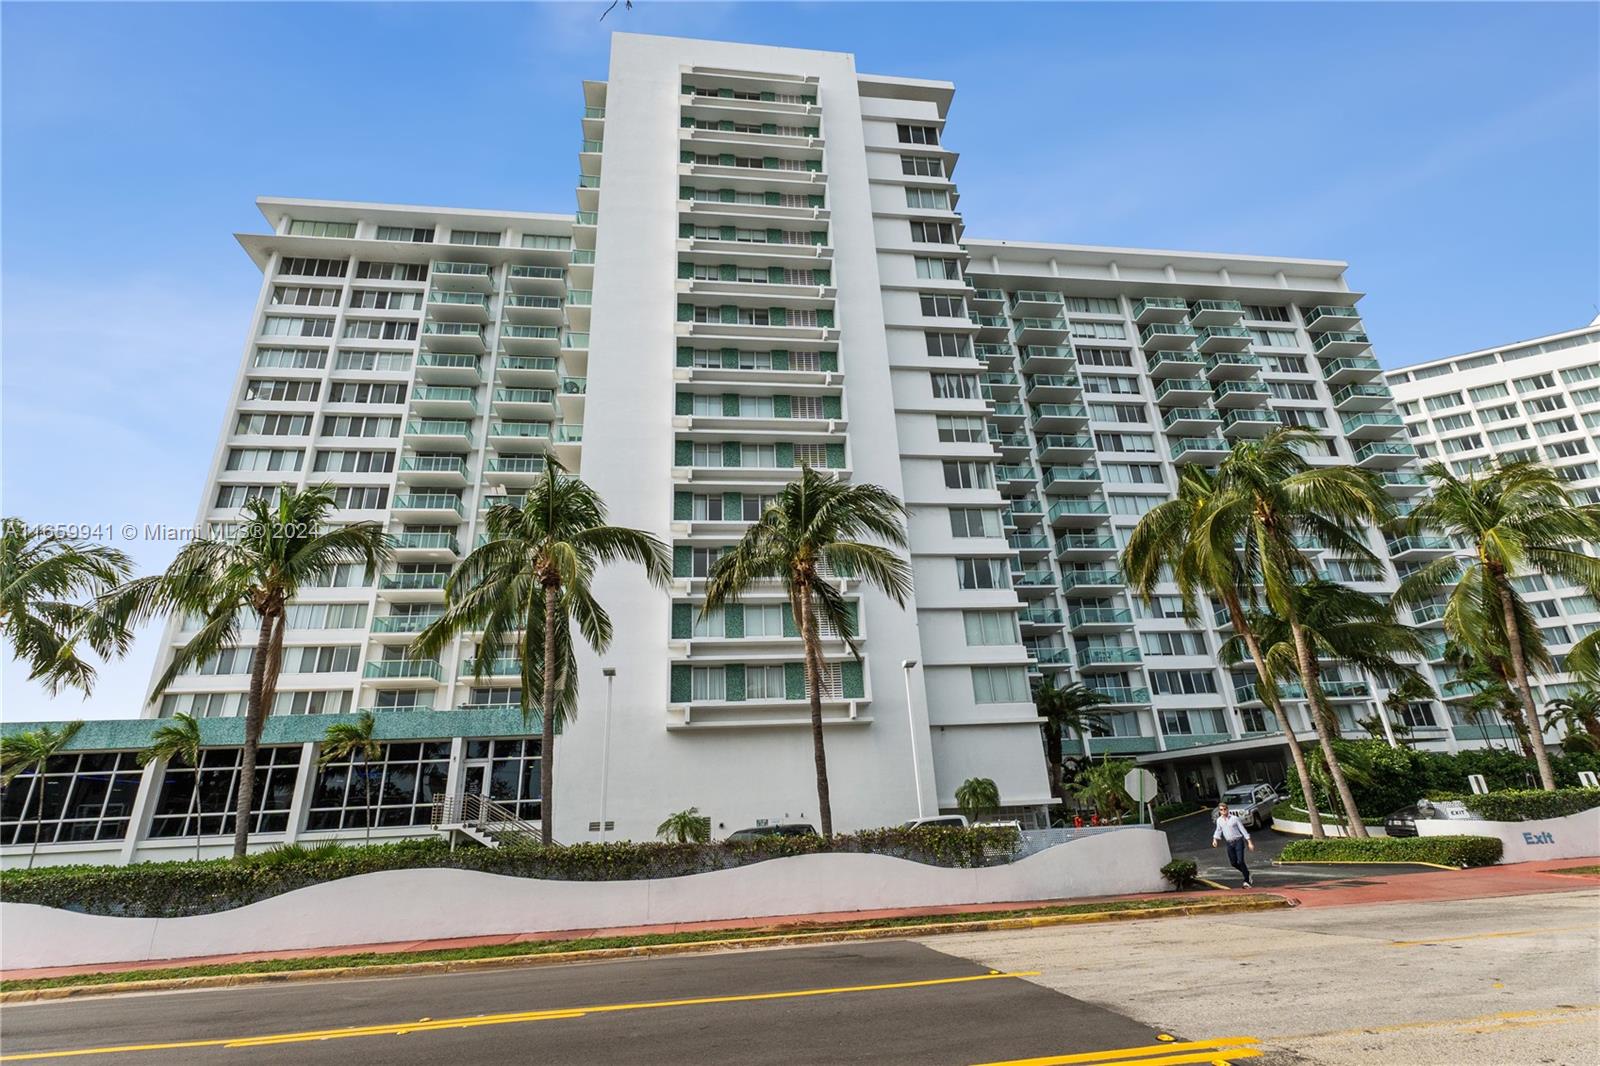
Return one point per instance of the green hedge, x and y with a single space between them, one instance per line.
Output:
1445 851
1526 805
1168 811
1181 873
177 889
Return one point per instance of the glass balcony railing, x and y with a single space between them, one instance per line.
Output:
1073 441
1184 362
1071 579
424 541
1100 616
587 218
1372 418
448 361
519 429
516 464
1172 385
1176 415
540 396
538 303
1385 447
1329 369
1339 337
1085 542
500 667
1330 311
1401 545
1187 445
434 464
443 394
402 623
1402 477
466 299
569 434
1159 303
1008 472
1074 474
467 270
1042 616
1370 390
434 427
1068 508
1177 332
428 501
529 272
404 668
1243 388
1109 656
413 581
528 362
1122 694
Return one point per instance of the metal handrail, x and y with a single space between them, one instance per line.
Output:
484 814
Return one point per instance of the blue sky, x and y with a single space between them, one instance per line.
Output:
1450 153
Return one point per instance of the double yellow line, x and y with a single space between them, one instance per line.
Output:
1219 1052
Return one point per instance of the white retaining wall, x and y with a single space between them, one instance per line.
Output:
1576 836
398 905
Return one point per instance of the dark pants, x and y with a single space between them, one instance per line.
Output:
1236 856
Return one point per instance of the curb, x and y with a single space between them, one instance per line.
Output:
37 995
1366 862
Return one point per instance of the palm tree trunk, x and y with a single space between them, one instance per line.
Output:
1053 734
1354 827
255 718
194 804
813 646
547 721
1269 693
366 781
1519 666
38 824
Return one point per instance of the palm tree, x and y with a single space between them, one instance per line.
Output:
248 576
1578 713
686 827
1516 518
42 576
1270 492
179 741
977 796
528 584
1178 541
1492 696
1063 709
1410 688
348 740
32 751
810 532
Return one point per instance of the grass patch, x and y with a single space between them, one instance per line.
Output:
551 947
1580 871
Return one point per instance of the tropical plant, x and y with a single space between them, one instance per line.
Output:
1062 709
1178 541
248 576
686 827
805 541
30 751
1578 713
1410 688
527 585
351 741
1491 698
978 798
1516 518
43 576
1279 502
178 740
1100 786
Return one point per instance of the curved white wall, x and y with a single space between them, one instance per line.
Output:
1576 836
426 904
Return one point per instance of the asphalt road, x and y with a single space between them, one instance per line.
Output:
880 1002
1190 838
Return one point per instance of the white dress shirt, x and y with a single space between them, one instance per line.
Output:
1229 827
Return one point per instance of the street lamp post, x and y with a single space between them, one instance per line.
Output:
911 720
610 673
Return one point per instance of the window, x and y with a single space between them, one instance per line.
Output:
922 166
304 296
1105 331
954 386
1484 393
384 330
239 495
1274 338
1545 608
1105 357
300 227
396 789
1160 607
1498 414
1445 402
355 392
273 425
300 266
931 199
1566 449
1181 642
80 796
713 623
938 269
1449 422
917 134
762 455
1183 682
933 232
1509 435
325 615
1132 473
387 300
708 683
192 801
1105 384
764 620
1566 424
485 238
357 426
264 459
275 326
1466 443
1292 390
1287 364
1534 383
1117 412
413 234
288 391
989 628
1093 305
968 475
1142 443
999 684
361 498
974 522
940 305
764 683
391 271
960 429
1540 405
1134 505
948 345
1302 416
1266 313
355 462
326 659
982 574
359 359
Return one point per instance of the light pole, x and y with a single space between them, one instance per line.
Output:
605 747
911 720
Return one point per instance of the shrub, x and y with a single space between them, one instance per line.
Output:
177 889
1445 851
1531 804
1168 811
1181 873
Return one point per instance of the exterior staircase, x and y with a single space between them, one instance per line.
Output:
483 821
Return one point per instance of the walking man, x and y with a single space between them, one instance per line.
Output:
1232 830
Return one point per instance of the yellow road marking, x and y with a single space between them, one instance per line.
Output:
1488 936
1227 1047
1513 1016
1213 884
425 1025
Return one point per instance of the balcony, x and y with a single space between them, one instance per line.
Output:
1039 330
525 403
1374 397
529 277
1249 422
1327 317
429 547
411 588
1167 336
1222 339
464 337
1080 513
1053 388
504 666
1406 549
1031 584
1385 455
1335 689
446 470
1067 480
517 470
1047 358
1336 344
529 340
1025 513
1201 450
999 355
1351 370
427 507
1103 658
520 437
1188 421
449 368
525 370
444 401
462 277
1233 394
446 306
1182 392
1051 417
1089 582
1034 303
1085 546
1373 425
1000 385
1056 447
1050 658
1042 617
533 308
1123 696
1029 546
413 673
1233 366
1099 619
1008 415
403 624
428 434
1015 476
1404 482
1166 309
1207 313
1014 445
1251 693
989 296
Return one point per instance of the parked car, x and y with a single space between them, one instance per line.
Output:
1403 822
1253 804
786 829
952 821
1008 824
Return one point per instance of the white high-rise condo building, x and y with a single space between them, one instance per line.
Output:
767 269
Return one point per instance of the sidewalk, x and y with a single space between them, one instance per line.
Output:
1350 887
